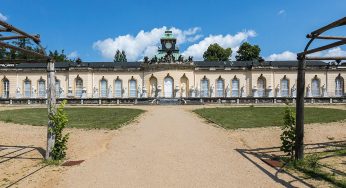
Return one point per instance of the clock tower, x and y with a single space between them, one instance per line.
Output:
168 43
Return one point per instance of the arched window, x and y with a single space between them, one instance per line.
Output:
57 88
284 87
27 88
41 88
220 87
118 85
204 87
79 87
103 88
235 87
315 87
132 88
6 88
339 86
261 86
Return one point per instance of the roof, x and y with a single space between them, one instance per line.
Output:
138 65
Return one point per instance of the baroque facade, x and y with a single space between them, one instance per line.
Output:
168 75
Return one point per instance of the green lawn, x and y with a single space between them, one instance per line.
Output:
110 118
249 117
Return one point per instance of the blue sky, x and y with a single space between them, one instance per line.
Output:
94 29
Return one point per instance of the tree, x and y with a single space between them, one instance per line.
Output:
123 56
120 56
288 132
59 57
248 52
216 53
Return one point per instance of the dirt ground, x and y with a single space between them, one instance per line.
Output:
168 146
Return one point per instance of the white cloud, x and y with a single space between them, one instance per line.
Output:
225 41
73 55
282 12
145 43
335 52
3 17
284 56
288 55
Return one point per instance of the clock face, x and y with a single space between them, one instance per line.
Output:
168 45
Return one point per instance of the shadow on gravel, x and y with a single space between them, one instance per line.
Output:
272 153
16 153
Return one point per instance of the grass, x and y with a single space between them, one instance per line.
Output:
109 118
250 117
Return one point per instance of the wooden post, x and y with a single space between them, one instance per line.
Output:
51 101
299 145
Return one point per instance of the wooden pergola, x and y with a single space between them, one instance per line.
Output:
8 33
302 57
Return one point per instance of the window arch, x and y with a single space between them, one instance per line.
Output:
27 87
284 87
261 86
339 86
118 87
5 88
315 87
132 87
103 87
79 87
41 88
235 87
204 87
220 84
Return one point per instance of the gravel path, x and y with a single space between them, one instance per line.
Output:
169 147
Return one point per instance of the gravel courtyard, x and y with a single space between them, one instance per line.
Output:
167 146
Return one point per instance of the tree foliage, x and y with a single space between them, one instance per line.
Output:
60 120
248 52
27 44
120 56
288 132
216 53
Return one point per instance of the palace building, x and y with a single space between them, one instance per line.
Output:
169 76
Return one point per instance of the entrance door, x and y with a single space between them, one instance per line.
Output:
168 87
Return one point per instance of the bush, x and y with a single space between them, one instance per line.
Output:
60 120
288 135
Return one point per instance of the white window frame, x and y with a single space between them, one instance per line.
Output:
27 88
118 90
79 87
220 84
6 88
133 88
103 88
235 87
284 87
315 87
261 87
41 88
204 88
339 86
